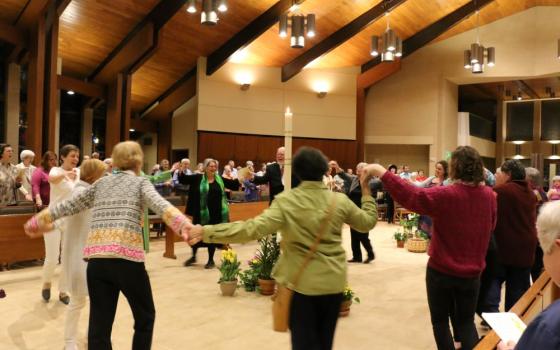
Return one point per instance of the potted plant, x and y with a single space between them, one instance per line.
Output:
267 254
418 243
400 237
249 278
229 269
348 296
408 223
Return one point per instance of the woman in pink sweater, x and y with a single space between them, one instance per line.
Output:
464 215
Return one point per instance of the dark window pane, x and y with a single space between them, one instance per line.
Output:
520 121
550 120
482 127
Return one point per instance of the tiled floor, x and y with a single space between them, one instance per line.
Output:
191 313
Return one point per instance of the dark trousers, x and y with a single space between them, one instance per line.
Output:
211 249
486 281
106 278
358 238
313 321
444 293
390 207
517 281
538 265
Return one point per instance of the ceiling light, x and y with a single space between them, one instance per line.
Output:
70 92
300 26
391 45
191 8
210 8
222 6
132 130
473 59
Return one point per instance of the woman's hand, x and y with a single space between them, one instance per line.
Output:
72 174
364 183
195 234
375 170
503 346
34 229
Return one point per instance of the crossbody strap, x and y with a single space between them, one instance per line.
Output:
320 235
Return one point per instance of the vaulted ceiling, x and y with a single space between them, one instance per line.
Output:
90 30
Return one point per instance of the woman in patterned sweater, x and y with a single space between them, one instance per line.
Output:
114 248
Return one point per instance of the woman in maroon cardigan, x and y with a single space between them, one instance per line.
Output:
464 215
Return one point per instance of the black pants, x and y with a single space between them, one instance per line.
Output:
313 321
517 280
211 249
486 280
444 293
538 266
358 238
106 278
390 207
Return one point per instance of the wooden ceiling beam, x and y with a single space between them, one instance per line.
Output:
433 31
247 35
339 37
31 12
81 87
12 35
179 93
139 45
523 86
143 125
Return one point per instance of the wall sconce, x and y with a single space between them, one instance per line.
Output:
321 88
321 94
245 86
518 152
244 79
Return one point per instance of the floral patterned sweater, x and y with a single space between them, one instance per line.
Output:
117 204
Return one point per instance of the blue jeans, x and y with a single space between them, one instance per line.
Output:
517 281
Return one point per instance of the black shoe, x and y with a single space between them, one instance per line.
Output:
46 294
210 265
354 261
64 298
369 259
2 293
190 261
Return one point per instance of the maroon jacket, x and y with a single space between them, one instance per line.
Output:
463 218
516 232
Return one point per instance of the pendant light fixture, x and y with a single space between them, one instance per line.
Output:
391 44
300 26
210 9
473 59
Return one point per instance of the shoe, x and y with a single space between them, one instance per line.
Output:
354 261
2 293
190 261
210 265
64 298
46 294
369 259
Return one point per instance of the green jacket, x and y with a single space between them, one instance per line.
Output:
298 214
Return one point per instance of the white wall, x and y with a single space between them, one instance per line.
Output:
184 126
223 107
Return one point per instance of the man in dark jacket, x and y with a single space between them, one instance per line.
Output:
515 234
273 176
354 192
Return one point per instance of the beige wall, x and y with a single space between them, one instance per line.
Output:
184 135
415 156
418 104
260 110
486 148
150 151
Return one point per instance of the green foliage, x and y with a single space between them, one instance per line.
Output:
249 279
400 236
349 294
268 254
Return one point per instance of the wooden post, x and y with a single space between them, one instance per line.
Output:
164 138
35 85
501 119
126 99
51 89
114 113
536 156
360 123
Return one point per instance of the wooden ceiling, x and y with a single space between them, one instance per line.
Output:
91 29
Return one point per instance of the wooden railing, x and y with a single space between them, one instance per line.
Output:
15 246
541 294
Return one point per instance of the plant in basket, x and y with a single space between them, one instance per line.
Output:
267 254
348 296
229 270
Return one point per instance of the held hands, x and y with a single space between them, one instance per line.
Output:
72 174
196 234
375 170
34 229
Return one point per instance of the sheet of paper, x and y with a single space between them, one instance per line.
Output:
507 325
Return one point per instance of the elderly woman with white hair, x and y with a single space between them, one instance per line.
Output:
207 202
26 169
542 332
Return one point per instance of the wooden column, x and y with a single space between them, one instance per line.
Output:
501 124
126 95
536 154
87 131
114 113
164 138
360 123
35 85
51 89
12 106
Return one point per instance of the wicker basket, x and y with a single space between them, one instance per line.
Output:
417 245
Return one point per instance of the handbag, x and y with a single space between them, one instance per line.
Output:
283 297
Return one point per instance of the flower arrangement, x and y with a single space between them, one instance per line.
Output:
268 254
229 269
350 295
409 223
249 278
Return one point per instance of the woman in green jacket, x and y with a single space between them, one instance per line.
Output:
298 214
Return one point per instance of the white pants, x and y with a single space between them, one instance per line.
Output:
77 303
52 254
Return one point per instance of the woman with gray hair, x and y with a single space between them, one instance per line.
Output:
207 202
542 332
26 169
